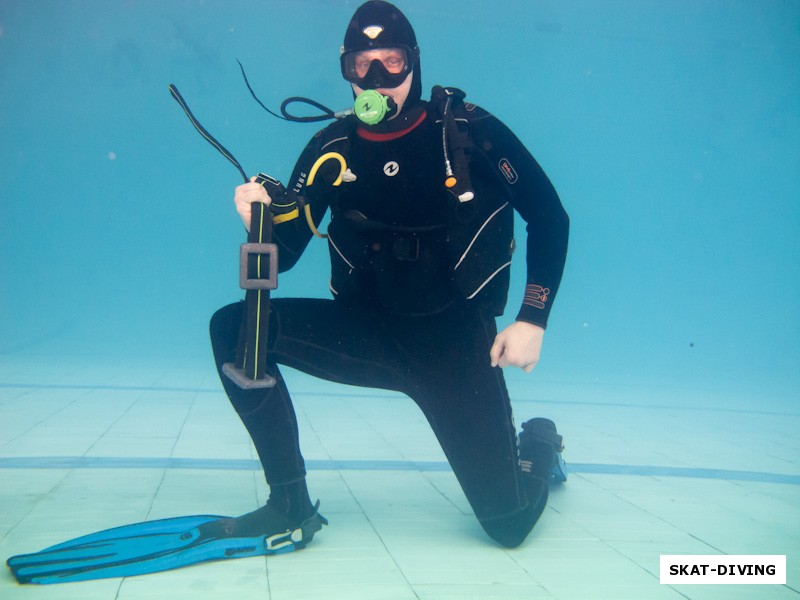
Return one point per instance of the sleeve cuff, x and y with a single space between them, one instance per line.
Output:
536 305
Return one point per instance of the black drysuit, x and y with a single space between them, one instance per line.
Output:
417 280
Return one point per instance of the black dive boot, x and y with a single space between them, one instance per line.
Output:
540 448
279 532
287 522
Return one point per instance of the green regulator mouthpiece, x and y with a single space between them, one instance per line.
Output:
372 107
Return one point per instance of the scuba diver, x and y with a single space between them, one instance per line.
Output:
422 197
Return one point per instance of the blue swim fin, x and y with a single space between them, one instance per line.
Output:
153 546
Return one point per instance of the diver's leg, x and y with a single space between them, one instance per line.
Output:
467 404
320 337
269 417
344 343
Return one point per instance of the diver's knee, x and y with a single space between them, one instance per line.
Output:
511 530
225 321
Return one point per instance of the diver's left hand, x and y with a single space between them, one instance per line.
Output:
518 345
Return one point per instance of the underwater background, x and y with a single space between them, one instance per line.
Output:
669 128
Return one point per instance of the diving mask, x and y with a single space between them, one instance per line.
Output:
378 68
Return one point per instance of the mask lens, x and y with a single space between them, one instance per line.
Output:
382 67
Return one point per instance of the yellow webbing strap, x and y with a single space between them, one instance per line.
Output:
293 214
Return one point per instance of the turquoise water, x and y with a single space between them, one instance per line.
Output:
669 128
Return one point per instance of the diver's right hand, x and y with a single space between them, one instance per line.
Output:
245 195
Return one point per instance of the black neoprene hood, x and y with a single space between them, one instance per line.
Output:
378 24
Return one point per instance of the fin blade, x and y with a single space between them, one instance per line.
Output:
170 525
71 561
153 562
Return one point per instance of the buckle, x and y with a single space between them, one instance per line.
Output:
260 251
278 541
406 248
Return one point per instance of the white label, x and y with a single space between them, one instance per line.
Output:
722 568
